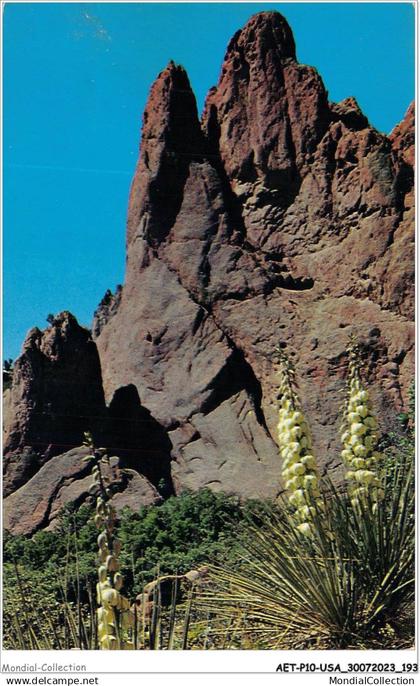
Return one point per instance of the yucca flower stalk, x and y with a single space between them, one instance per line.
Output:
360 438
299 469
115 619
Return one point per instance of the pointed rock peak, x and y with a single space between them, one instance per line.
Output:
265 31
171 139
63 330
171 107
176 73
64 318
172 79
32 338
402 137
410 114
64 324
349 112
406 123
349 105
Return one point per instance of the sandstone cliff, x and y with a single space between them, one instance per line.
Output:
282 217
56 392
279 217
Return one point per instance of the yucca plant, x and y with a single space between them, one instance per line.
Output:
350 584
115 619
381 535
346 591
121 625
291 589
382 542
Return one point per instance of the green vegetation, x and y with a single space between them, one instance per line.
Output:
178 535
57 569
269 586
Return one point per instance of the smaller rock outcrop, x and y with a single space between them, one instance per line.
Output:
402 137
56 395
66 479
349 112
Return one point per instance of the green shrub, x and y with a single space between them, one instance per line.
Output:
182 533
57 569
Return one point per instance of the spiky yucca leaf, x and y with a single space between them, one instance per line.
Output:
342 591
288 587
383 542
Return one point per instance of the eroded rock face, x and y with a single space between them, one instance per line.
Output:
66 479
284 218
265 120
56 395
279 217
31 506
166 155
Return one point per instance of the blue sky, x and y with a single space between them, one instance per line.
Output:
75 82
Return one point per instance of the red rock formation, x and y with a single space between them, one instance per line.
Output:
56 395
282 221
166 153
279 217
265 118
66 479
105 310
402 137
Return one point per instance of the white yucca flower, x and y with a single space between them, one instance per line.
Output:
115 619
359 438
299 470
